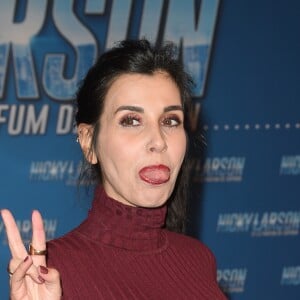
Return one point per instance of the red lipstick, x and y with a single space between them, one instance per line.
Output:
157 174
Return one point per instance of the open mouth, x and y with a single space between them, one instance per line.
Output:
157 174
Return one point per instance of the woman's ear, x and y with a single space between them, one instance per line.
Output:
85 135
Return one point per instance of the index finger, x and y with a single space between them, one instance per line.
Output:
15 242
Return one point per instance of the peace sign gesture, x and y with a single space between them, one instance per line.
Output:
30 278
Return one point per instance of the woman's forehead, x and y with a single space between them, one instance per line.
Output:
143 89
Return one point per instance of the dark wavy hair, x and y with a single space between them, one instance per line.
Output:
136 57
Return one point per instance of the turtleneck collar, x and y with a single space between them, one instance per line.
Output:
123 226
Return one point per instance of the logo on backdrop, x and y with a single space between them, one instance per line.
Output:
290 275
55 170
290 165
67 171
220 169
282 223
25 229
46 67
232 280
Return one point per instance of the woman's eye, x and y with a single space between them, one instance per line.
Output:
130 121
171 121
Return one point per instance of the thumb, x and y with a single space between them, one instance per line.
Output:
17 279
52 281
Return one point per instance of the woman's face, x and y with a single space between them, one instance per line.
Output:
142 141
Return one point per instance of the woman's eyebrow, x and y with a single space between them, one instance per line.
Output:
141 110
173 107
130 107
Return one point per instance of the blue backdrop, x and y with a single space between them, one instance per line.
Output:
244 57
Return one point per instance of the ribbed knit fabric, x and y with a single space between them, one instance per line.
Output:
122 252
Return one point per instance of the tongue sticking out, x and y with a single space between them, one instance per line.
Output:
155 174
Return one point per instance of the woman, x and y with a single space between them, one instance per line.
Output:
132 121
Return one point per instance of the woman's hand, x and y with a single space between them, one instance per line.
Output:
30 278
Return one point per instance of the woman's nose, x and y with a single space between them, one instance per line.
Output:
157 140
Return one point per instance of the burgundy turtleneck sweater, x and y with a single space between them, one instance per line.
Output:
123 252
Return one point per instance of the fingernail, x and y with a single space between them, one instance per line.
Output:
41 279
25 259
43 270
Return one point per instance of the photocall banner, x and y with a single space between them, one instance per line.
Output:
244 58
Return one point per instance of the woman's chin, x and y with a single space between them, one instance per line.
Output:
152 199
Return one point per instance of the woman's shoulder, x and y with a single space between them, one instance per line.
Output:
196 255
186 241
63 250
66 244
190 246
62 240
